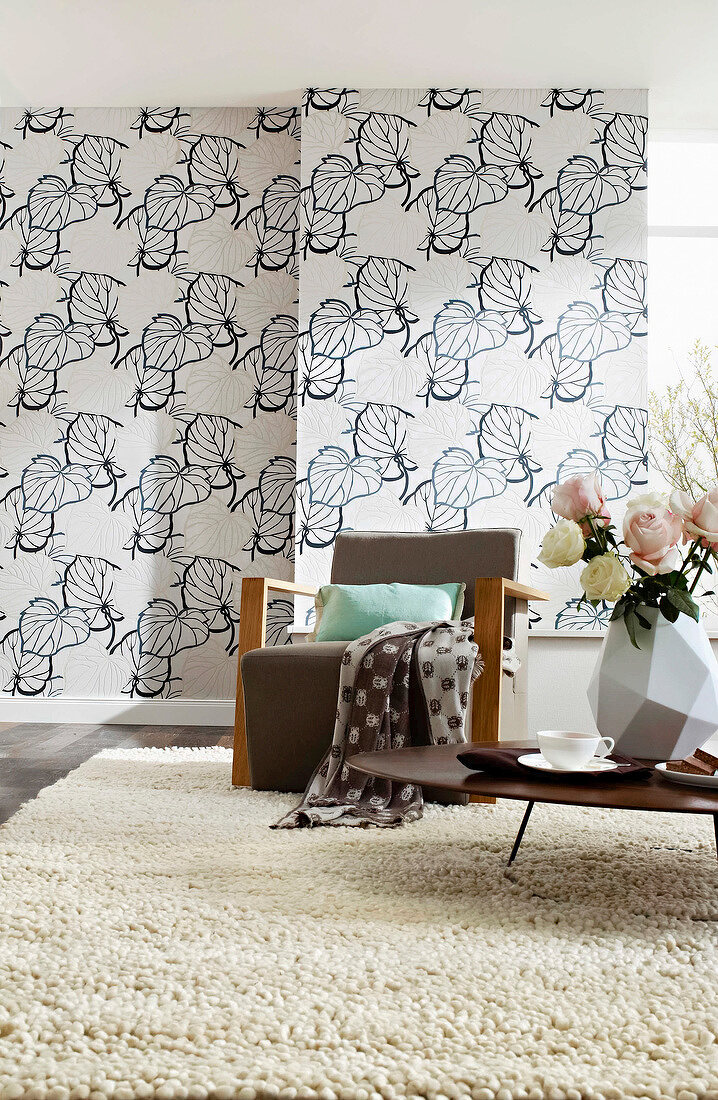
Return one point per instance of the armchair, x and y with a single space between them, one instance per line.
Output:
286 695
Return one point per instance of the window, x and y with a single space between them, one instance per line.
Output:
682 252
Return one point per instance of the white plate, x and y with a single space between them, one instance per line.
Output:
594 766
688 778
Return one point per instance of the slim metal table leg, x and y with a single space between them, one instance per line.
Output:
525 821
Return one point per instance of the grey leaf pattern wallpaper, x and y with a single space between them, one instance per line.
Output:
228 334
148 313
472 313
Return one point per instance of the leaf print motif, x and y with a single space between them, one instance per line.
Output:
437 517
380 431
570 378
585 188
166 487
88 584
461 332
94 301
150 676
89 442
157 120
171 204
273 389
585 617
624 436
165 630
273 248
585 334
570 233
212 302
51 344
445 99
317 524
624 290
382 286
570 99
152 530
38 247
46 121
45 628
460 480
338 185
446 231
214 161
505 141
335 478
280 622
155 247
325 99
167 344
276 486
445 377
278 343
319 376
54 204
624 143
337 332
209 444
280 203
271 531
462 186
322 230
29 674
47 485
383 141
32 531
504 433
505 287
96 161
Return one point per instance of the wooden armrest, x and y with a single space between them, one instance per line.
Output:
253 635
489 596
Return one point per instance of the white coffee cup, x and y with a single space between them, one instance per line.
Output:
569 751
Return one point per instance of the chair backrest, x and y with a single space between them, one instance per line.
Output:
426 557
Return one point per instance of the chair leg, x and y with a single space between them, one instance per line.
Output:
252 632
486 692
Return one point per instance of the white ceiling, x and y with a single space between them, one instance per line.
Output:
222 52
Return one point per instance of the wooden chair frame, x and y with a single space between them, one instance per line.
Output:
490 594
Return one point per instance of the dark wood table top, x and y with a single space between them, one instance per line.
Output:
437 766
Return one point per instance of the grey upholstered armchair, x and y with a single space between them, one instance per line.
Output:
287 695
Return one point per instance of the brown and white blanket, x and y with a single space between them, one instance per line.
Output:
373 714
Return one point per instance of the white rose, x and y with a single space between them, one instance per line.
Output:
604 578
646 502
562 545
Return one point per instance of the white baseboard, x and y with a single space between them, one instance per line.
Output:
131 712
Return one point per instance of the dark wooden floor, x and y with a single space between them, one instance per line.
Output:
33 756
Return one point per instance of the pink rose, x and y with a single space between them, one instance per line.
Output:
700 520
651 531
579 497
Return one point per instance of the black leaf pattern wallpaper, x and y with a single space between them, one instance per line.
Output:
472 313
148 313
226 331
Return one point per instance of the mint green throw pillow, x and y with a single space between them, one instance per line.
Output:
347 611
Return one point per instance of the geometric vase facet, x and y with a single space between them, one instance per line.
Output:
659 702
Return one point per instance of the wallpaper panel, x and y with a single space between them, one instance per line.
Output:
148 304
472 313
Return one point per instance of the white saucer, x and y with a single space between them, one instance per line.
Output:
688 778
594 766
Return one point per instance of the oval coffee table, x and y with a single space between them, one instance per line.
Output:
437 766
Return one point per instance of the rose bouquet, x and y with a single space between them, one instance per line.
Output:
645 568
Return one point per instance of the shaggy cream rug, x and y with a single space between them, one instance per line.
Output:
157 939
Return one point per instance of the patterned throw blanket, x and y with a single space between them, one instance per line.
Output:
373 714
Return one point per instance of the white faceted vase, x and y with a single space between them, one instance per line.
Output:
659 702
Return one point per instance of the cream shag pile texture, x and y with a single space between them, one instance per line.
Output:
158 939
